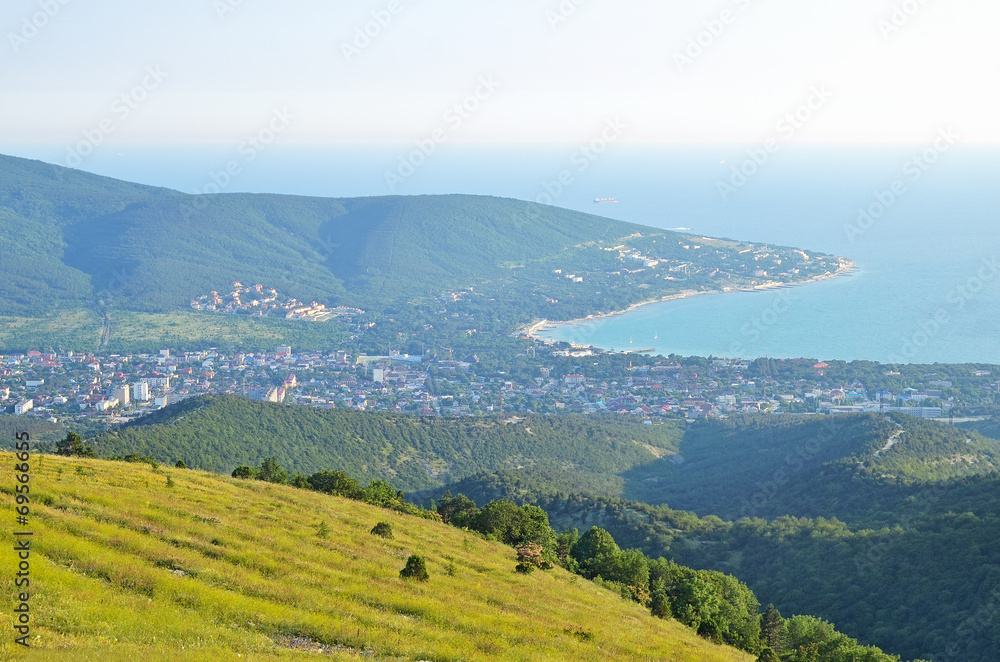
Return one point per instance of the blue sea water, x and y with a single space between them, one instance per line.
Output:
927 284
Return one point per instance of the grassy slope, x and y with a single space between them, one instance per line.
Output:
127 568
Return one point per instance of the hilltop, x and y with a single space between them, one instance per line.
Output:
88 259
135 562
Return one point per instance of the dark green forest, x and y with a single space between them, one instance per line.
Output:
218 433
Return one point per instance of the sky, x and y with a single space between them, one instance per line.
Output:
512 72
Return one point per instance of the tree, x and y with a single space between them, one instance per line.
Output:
72 446
598 554
772 628
458 510
381 493
514 525
768 655
696 602
272 472
565 542
337 483
633 571
660 606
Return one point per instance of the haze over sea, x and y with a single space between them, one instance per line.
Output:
926 288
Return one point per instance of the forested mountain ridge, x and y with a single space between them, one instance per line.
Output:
72 241
853 467
219 433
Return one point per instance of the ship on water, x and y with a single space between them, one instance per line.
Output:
605 201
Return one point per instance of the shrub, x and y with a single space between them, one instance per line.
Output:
180 464
243 471
580 633
416 568
323 530
530 557
382 530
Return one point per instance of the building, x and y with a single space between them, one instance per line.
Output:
105 405
24 406
140 391
378 375
34 383
158 382
122 394
161 401
283 351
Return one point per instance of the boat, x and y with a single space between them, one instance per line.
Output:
605 201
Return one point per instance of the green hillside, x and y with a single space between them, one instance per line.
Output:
219 433
898 550
907 587
130 562
854 467
86 259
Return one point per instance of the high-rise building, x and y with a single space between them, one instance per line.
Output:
283 351
141 391
122 393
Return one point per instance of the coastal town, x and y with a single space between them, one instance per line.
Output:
66 387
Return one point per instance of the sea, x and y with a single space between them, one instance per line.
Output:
921 223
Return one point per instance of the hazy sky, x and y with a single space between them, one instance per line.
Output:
553 72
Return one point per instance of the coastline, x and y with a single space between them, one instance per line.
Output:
844 267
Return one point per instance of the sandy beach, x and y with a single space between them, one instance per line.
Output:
845 267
